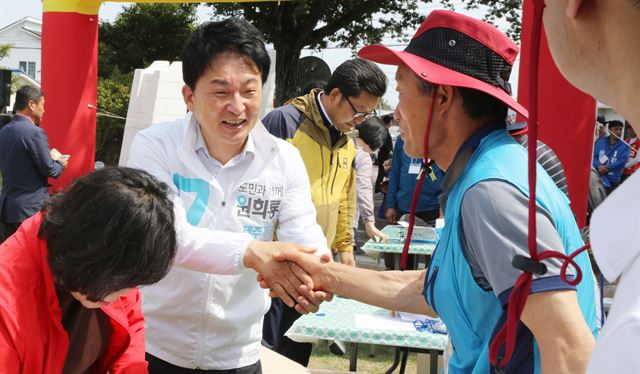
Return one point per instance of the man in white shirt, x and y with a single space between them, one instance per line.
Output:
234 186
608 72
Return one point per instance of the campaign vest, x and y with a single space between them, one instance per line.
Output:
469 312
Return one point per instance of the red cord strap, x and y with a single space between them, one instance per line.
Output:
532 265
416 192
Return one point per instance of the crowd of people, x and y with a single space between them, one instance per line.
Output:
220 211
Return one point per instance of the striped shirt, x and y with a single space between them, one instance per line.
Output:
549 161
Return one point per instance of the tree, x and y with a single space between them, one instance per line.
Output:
4 50
293 25
113 101
141 34
510 10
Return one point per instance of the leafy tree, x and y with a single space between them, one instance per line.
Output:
510 10
113 101
293 25
4 50
141 34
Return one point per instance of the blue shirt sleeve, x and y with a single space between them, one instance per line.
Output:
38 146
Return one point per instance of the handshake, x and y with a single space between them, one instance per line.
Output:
291 272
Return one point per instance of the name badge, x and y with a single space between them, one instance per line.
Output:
603 159
414 168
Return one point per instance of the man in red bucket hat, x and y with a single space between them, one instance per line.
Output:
452 83
596 46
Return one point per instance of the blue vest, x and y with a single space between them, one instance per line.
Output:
470 313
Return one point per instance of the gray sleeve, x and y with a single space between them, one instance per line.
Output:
494 217
283 121
364 185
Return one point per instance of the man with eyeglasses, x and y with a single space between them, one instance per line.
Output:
317 125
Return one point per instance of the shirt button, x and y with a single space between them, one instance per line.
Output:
223 203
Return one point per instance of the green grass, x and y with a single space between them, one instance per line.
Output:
322 358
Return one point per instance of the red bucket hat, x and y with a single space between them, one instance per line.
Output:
455 50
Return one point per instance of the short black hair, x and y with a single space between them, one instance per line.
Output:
372 132
480 105
311 85
387 118
112 229
615 123
24 95
213 38
357 75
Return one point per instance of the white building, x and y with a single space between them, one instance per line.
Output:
25 36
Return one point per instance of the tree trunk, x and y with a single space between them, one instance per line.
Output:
287 57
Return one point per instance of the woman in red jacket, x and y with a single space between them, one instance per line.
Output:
68 302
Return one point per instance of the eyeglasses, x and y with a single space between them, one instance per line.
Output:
359 115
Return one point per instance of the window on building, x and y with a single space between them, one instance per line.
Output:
29 68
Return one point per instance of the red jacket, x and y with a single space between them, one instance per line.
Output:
32 339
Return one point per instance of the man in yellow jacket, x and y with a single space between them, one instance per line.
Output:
317 125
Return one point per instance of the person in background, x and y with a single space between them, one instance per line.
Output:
610 155
610 74
403 178
68 276
317 125
371 135
384 154
601 131
547 158
26 161
634 155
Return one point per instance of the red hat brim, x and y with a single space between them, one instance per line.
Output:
437 74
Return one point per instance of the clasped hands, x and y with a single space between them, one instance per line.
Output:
290 272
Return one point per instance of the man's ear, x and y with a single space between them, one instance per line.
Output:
335 94
444 96
187 96
32 105
573 7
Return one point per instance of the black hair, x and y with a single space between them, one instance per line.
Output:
615 123
24 95
387 118
311 85
426 88
112 229
213 38
357 75
372 132
480 105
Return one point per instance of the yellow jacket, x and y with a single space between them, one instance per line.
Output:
331 173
